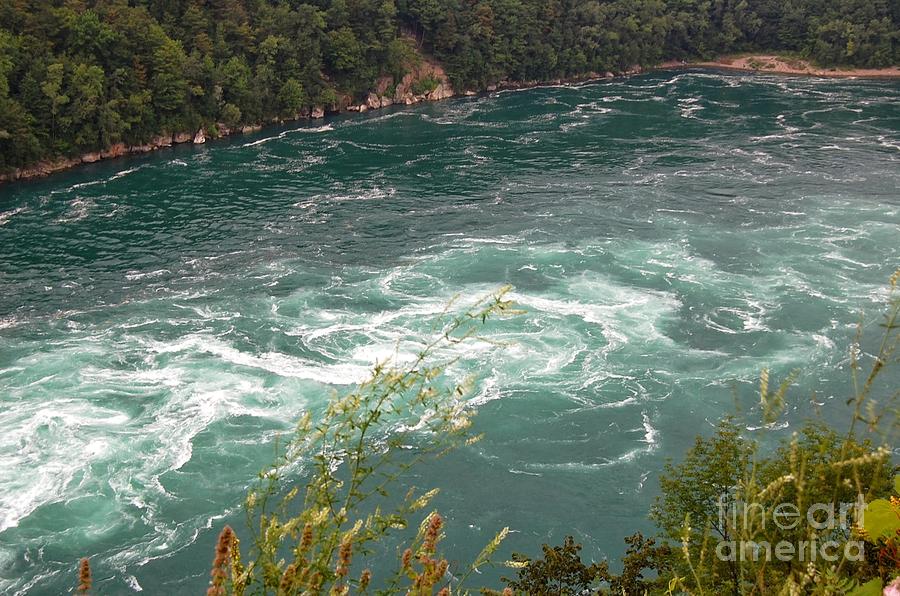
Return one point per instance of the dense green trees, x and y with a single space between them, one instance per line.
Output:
80 75
491 39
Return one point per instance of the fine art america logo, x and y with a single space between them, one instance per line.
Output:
829 520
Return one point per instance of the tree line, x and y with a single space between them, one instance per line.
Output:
82 75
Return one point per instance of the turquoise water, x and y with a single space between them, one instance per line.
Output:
163 318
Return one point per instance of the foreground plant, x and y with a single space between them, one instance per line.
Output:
356 450
735 520
736 517
562 572
790 522
84 577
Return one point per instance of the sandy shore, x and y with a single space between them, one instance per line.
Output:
770 63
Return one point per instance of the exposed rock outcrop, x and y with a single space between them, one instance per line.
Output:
200 137
182 137
373 101
442 91
317 112
44 168
423 73
117 150
344 101
161 141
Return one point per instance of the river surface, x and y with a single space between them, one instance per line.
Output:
162 318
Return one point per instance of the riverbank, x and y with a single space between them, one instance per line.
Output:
410 91
427 81
774 64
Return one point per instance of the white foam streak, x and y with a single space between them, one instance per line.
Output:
318 129
7 215
274 362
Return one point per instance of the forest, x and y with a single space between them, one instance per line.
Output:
83 75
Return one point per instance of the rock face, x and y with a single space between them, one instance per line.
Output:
375 101
251 128
117 150
342 104
200 137
425 71
442 91
44 168
91 157
182 137
318 112
161 141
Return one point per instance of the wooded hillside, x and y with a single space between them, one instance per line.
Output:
82 75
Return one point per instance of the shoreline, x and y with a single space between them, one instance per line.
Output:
374 101
774 64
750 63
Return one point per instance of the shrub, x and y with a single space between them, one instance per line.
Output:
307 544
425 85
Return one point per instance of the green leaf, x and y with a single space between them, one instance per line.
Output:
897 484
880 519
870 588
